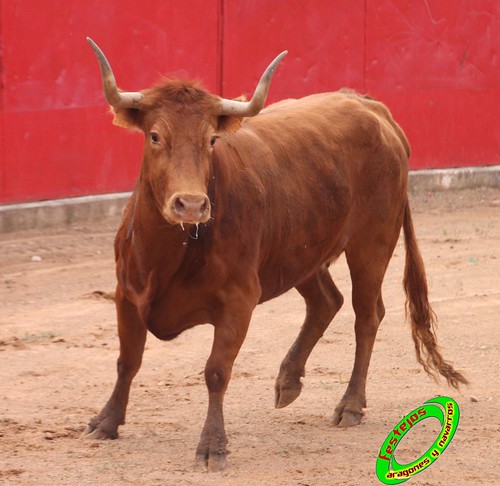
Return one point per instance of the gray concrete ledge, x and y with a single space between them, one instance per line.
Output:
81 210
454 179
61 212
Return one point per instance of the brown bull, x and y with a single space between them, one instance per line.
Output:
232 209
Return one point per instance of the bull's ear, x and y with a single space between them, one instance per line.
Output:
130 118
228 123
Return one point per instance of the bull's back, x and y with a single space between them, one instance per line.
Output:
325 166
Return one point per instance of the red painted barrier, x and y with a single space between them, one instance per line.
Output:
325 40
57 139
435 63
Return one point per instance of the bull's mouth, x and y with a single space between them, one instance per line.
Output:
187 224
183 223
192 229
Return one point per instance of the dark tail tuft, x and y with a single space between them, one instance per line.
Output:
420 313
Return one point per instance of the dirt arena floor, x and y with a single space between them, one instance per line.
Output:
58 348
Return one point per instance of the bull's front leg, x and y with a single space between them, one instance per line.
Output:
132 335
229 335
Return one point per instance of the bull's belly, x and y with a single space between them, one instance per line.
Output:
277 277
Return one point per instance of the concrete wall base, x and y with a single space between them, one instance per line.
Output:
454 179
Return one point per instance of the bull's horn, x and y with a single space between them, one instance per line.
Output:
115 97
252 107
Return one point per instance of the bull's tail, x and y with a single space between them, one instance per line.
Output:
419 311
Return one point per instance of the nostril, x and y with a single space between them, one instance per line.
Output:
178 206
204 206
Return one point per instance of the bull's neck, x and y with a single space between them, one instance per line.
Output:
151 250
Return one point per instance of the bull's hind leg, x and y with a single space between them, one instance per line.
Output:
132 334
367 265
323 301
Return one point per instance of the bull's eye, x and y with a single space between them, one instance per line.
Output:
155 138
213 139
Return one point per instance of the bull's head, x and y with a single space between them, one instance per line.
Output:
180 121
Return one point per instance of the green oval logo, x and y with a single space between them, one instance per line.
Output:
446 410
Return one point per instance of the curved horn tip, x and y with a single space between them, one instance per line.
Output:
269 72
97 50
280 57
92 43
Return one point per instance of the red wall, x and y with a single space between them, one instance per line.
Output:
435 63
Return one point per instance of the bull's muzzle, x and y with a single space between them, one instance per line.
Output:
188 208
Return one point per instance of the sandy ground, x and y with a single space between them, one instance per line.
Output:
58 348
